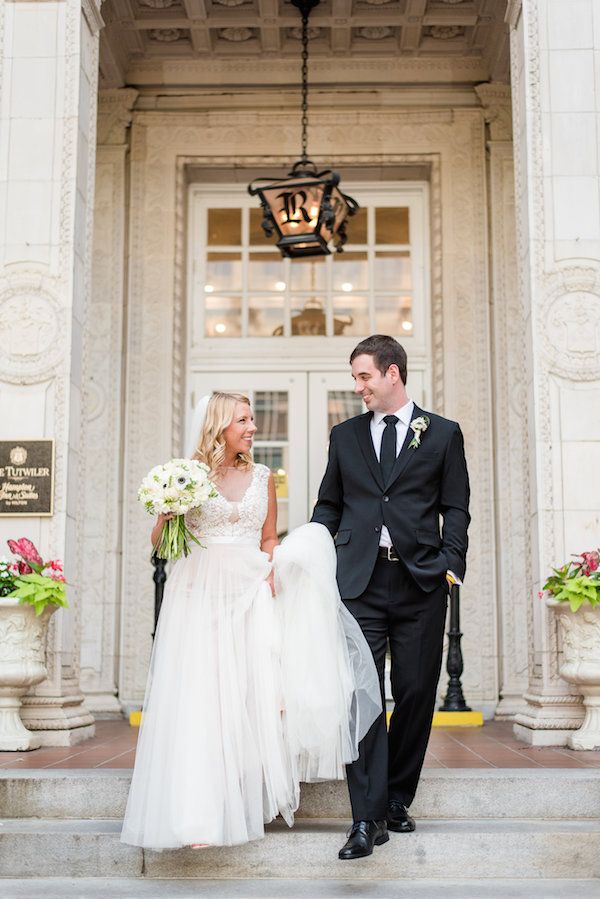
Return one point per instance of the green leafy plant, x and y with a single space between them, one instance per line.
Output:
34 581
39 591
576 582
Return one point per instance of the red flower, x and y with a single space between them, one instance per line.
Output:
541 594
590 562
55 575
26 550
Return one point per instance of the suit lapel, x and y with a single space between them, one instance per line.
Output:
405 455
365 441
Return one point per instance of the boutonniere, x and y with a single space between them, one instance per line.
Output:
418 426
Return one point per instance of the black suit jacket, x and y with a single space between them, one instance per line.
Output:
426 482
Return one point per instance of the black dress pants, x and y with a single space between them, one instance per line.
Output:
394 610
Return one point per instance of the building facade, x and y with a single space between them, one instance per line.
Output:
134 278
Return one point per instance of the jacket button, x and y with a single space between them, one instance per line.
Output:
386 499
377 528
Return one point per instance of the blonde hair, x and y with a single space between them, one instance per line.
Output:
211 443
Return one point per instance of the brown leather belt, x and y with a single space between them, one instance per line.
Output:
389 553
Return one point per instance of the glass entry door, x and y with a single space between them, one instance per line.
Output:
280 413
294 413
331 400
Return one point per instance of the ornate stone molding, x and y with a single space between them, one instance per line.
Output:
561 305
570 310
497 109
56 706
102 397
323 71
33 329
511 464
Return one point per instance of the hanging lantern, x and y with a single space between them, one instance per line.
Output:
307 210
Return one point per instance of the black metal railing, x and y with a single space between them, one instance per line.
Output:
454 700
160 579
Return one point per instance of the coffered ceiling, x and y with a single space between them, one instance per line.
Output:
203 42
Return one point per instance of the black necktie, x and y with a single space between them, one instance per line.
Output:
387 456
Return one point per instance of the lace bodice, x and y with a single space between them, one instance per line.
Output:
219 517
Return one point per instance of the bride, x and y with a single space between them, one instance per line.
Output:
259 677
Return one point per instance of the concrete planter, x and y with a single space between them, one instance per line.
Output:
22 664
580 637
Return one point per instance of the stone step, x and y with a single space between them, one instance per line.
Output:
443 793
162 888
439 849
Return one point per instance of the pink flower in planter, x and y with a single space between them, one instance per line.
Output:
26 550
590 562
20 568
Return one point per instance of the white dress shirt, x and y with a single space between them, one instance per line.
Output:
404 416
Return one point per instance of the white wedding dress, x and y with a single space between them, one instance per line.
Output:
247 694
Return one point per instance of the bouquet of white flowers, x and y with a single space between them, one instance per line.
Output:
174 489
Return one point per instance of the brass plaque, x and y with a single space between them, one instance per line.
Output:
26 477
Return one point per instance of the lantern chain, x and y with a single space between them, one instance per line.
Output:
305 14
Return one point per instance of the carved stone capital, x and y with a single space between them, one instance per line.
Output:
115 111
91 11
495 99
513 12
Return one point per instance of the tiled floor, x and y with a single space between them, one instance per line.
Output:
490 746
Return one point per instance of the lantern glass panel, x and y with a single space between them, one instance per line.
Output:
295 206
392 225
340 210
222 316
224 227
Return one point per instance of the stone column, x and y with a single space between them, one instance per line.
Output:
102 393
508 353
49 73
555 63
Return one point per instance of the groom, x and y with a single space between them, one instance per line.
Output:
391 474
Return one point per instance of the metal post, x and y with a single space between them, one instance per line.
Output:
160 578
454 701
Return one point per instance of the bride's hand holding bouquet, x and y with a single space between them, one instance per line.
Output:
170 491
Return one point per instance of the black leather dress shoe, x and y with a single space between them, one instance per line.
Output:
398 818
362 837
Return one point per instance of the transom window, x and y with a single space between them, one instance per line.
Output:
242 288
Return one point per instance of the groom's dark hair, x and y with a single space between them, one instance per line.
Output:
385 352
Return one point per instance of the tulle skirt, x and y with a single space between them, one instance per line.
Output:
247 694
